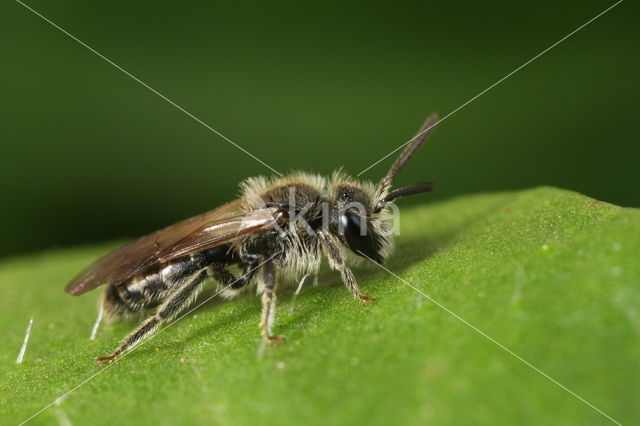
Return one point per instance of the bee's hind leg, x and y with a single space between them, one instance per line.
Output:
179 300
269 301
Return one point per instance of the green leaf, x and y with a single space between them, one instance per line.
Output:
552 275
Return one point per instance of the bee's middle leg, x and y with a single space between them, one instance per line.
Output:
269 301
231 285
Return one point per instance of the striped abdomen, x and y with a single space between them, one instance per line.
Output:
151 288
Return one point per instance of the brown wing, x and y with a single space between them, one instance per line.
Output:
207 230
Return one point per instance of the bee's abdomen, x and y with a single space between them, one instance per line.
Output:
115 305
144 291
135 295
151 288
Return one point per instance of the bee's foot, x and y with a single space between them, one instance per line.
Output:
105 358
278 339
365 299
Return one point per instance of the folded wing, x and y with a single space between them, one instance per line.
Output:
198 233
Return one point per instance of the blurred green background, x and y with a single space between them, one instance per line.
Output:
89 154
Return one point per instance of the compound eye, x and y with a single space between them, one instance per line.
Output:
359 236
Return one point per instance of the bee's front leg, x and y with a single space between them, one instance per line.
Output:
337 262
269 301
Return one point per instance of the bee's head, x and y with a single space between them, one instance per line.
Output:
353 221
359 214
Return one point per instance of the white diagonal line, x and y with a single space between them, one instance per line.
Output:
491 339
497 82
94 330
66 394
23 349
151 89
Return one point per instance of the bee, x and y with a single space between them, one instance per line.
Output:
281 225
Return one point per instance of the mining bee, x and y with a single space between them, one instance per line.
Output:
281 224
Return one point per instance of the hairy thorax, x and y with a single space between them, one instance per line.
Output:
295 244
